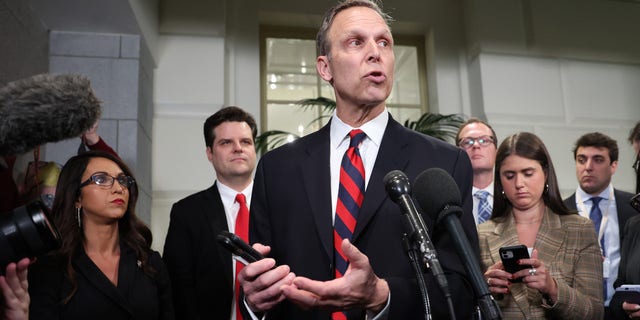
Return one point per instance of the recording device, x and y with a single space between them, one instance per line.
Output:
438 195
510 256
629 292
238 247
399 190
26 232
45 108
635 202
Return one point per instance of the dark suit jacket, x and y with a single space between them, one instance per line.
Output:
137 296
628 273
291 211
624 209
200 269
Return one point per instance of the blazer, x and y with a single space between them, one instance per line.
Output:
291 211
624 209
569 248
200 270
137 296
628 272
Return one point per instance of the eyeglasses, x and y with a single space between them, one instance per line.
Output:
483 141
105 180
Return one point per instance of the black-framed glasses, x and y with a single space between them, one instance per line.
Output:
103 179
468 142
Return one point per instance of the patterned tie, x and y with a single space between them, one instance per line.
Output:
596 216
242 231
484 207
350 196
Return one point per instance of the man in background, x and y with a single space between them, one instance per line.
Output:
479 140
201 271
596 157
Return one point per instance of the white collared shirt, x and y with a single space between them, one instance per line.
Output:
339 136
611 232
231 207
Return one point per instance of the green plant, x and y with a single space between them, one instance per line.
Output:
439 126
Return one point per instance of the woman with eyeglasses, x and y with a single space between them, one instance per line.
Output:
563 277
105 268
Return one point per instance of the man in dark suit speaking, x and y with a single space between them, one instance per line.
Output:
201 271
320 204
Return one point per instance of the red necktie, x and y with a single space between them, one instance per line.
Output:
350 197
242 231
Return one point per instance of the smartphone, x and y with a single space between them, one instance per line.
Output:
238 247
510 256
635 202
629 292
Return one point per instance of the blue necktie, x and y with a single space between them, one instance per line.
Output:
484 207
596 216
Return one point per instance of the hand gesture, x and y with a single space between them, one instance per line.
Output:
359 287
262 283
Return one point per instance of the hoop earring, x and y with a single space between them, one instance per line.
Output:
78 217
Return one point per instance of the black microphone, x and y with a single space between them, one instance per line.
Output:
438 195
45 108
399 190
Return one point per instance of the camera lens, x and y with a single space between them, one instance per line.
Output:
26 232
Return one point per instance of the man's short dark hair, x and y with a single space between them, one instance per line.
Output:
322 45
227 114
598 140
476 120
634 134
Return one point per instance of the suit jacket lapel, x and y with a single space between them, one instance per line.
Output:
213 210
391 146
316 175
85 267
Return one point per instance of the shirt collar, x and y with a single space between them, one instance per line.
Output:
228 195
374 129
605 194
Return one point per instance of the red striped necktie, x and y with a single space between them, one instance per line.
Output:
242 231
350 197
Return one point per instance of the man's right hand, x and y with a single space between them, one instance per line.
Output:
262 283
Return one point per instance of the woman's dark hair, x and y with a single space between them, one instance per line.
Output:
132 231
526 145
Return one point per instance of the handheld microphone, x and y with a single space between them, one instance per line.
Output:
45 108
399 190
438 195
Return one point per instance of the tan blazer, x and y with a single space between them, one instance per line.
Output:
569 249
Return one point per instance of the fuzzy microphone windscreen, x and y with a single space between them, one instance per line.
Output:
45 108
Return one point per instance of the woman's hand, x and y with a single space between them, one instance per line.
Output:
15 291
498 279
631 309
537 277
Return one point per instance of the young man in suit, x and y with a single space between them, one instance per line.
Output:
479 140
299 199
201 271
596 157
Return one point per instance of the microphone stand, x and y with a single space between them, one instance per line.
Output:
417 267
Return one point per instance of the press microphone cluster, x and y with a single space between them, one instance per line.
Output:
438 195
399 189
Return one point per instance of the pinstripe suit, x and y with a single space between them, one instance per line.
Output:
569 249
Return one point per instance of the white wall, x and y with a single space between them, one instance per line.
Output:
543 66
